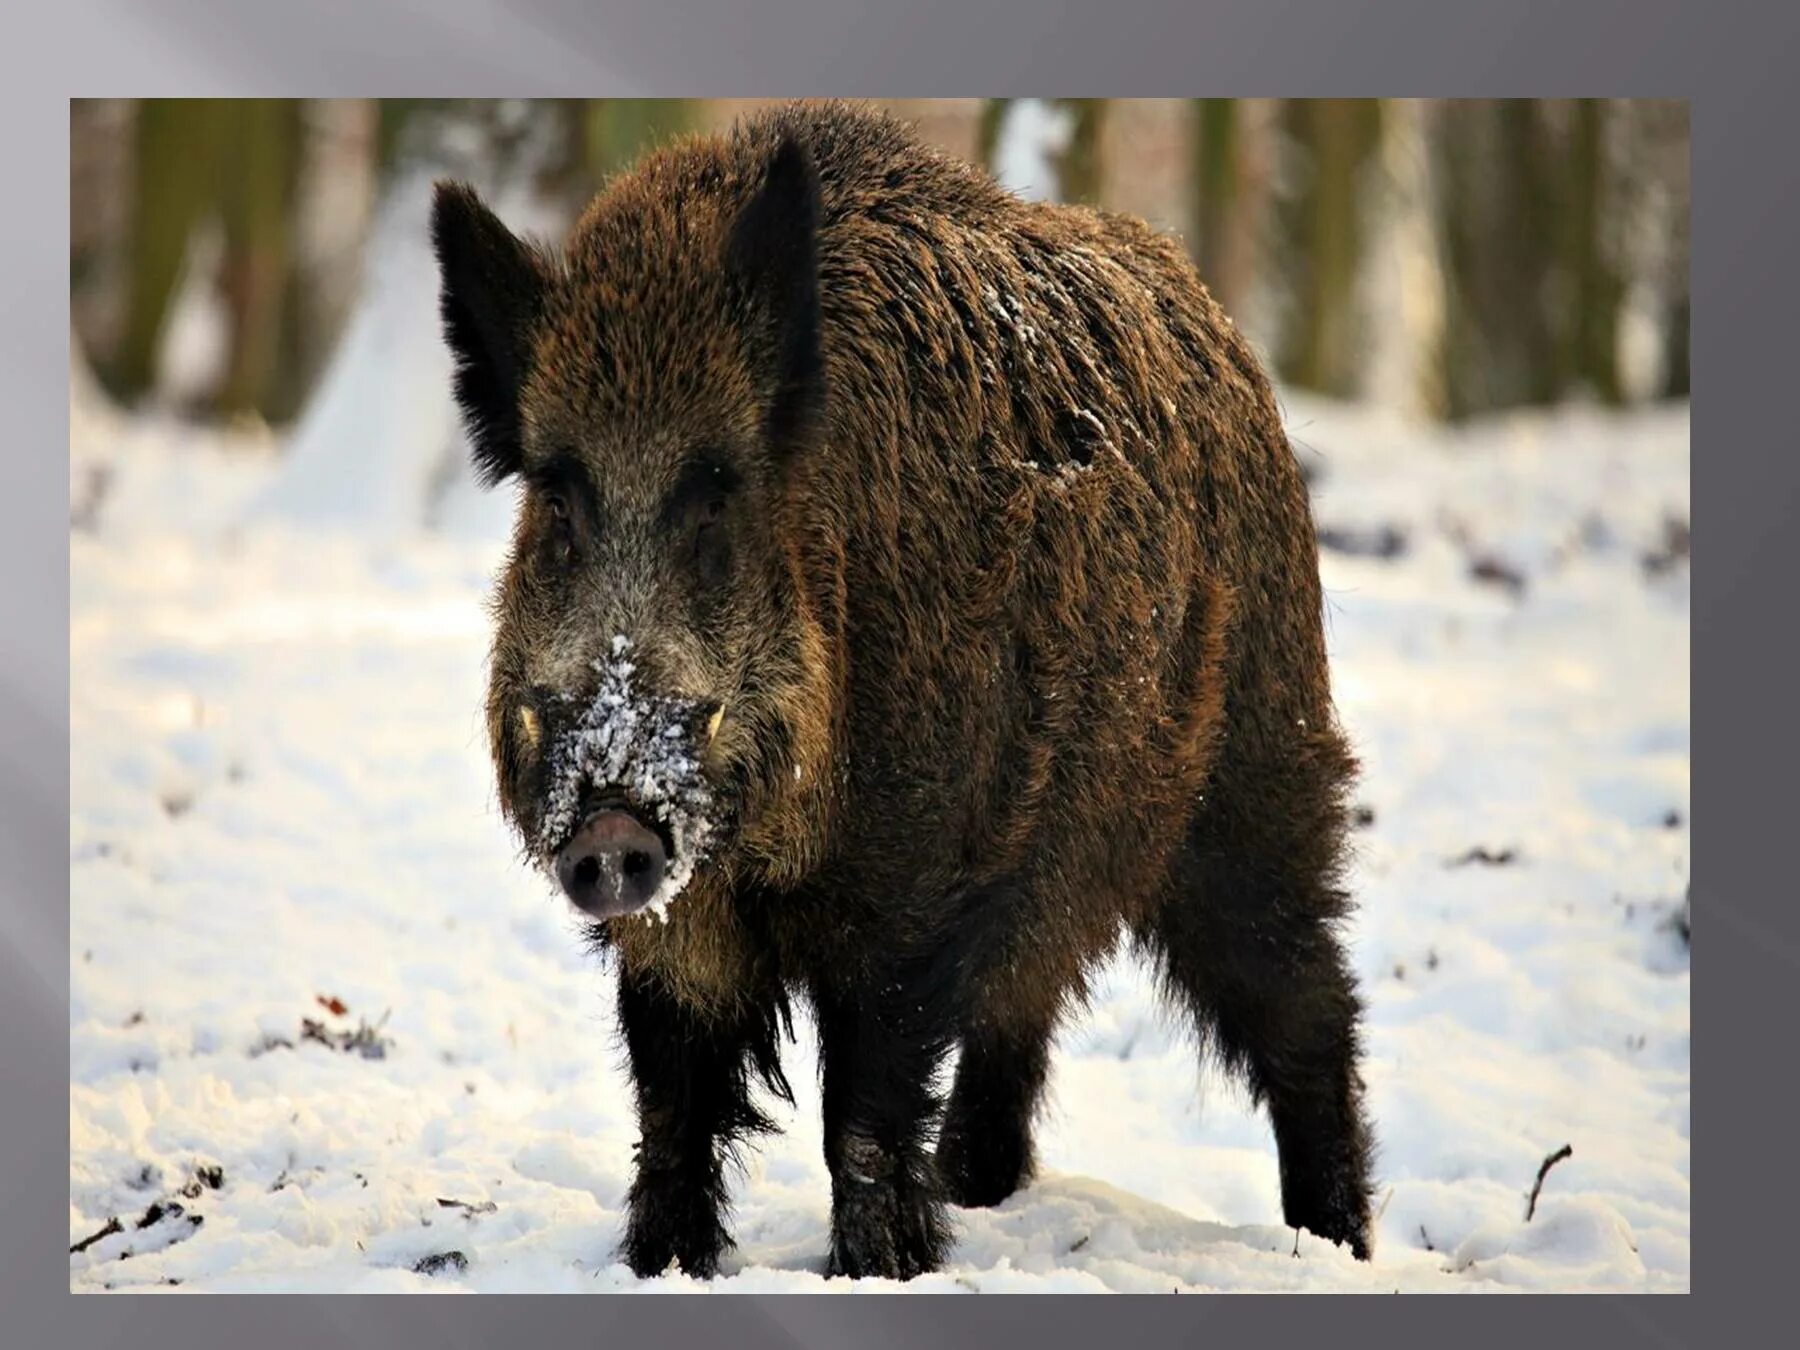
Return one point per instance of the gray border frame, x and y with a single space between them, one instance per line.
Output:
1730 58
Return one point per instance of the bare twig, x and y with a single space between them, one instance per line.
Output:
1481 853
112 1226
1565 1151
469 1209
1384 1204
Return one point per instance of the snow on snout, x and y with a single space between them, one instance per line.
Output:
640 745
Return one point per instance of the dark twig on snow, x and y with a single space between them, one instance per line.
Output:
366 1040
1676 546
1385 542
1567 1150
1498 572
112 1226
468 1209
1486 856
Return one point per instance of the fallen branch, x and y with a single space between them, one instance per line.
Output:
112 1226
1488 857
468 1209
1567 1150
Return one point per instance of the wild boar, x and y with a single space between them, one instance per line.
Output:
914 594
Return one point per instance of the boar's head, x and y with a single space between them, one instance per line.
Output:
646 390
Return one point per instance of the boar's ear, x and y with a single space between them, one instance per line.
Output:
492 291
774 255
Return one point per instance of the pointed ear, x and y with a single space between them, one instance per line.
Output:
492 290
774 255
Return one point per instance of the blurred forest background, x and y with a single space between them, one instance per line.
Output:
1447 257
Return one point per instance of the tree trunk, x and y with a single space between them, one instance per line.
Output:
1217 186
1498 206
1336 140
987 134
1592 290
260 172
1079 172
1675 381
174 182
1676 174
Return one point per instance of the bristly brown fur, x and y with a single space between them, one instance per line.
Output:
1022 650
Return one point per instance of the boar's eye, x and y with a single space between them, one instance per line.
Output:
699 509
712 550
560 534
562 500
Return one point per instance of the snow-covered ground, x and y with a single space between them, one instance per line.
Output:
303 954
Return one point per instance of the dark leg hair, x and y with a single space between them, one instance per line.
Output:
693 1077
880 1043
1247 943
984 1153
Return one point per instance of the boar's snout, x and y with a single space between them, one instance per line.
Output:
613 864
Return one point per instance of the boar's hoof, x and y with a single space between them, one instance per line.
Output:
882 1230
978 1171
674 1223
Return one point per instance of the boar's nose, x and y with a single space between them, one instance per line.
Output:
613 865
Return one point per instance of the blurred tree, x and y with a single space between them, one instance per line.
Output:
1079 167
1217 130
615 131
391 118
1228 191
1531 223
987 132
1678 322
195 160
259 172
335 190
544 139
1495 223
1592 291
1322 217
99 165
1077 163
1670 130
174 183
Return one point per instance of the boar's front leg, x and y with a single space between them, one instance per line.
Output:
879 1048
692 1075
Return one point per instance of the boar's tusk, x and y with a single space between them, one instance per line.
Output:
528 723
712 724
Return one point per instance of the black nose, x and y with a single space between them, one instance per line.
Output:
613 865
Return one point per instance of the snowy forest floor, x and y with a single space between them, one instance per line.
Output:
327 1035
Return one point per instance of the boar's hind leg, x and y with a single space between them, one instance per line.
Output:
693 1076
984 1152
1246 941
879 1047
